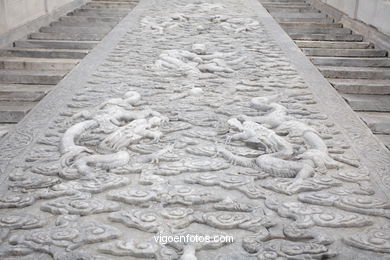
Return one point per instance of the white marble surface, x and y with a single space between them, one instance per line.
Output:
189 118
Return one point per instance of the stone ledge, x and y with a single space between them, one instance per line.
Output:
20 32
369 32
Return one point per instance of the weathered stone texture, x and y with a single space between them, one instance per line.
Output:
196 123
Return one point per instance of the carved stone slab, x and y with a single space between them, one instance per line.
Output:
194 118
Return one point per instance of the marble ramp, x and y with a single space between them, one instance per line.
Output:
194 118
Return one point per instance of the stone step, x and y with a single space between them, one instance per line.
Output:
23 92
13 112
67 36
31 69
91 19
355 72
56 44
362 86
74 29
385 139
284 5
5 128
333 45
304 9
14 96
31 77
311 25
94 14
273 7
74 24
112 3
60 24
344 52
303 20
379 123
374 103
97 12
108 5
298 15
116 11
128 1
23 63
319 30
326 37
350 62
282 1
44 53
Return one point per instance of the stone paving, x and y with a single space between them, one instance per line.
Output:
192 118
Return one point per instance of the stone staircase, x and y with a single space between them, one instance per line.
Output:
355 68
34 65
